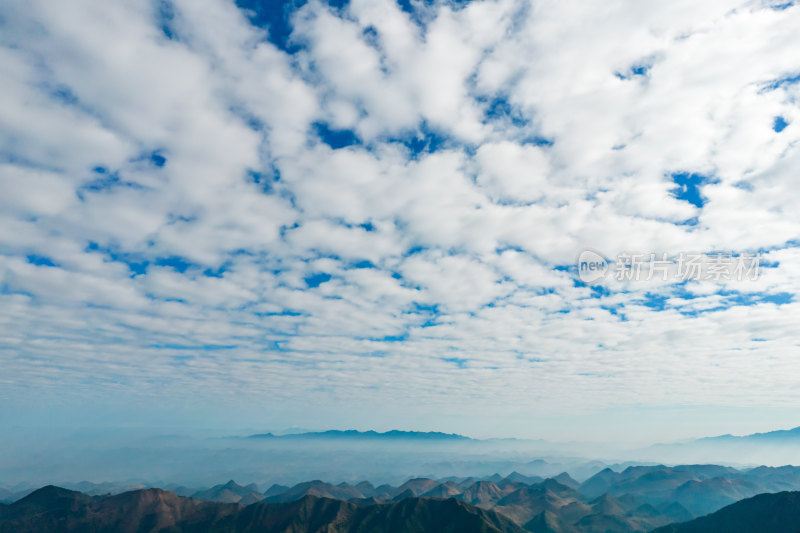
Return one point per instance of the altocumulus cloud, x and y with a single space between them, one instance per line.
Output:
377 203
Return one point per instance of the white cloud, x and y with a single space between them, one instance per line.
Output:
560 127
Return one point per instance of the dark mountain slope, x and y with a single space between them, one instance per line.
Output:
56 510
765 513
415 515
49 499
308 514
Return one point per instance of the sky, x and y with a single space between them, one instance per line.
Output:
369 214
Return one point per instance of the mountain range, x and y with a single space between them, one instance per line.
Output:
634 499
777 436
352 434
547 507
58 510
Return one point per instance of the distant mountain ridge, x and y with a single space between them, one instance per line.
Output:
355 434
778 447
777 435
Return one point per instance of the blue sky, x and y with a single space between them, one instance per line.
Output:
366 214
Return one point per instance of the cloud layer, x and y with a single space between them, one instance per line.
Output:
376 208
